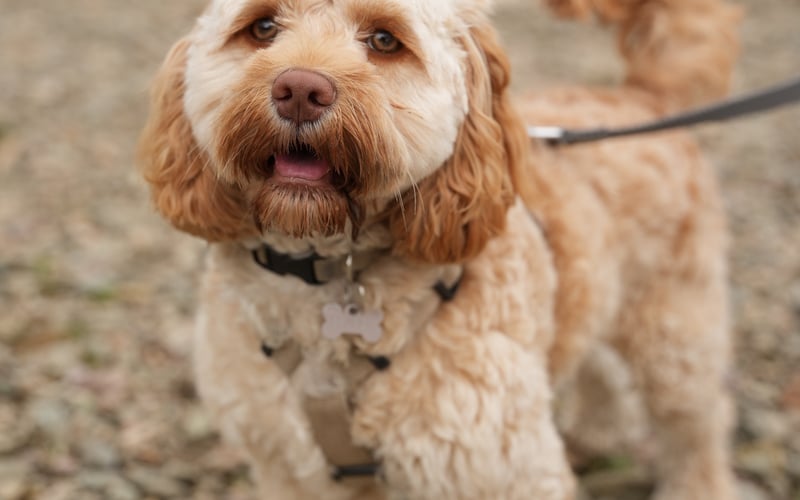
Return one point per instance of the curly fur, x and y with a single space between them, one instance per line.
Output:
571 261
185 189
455 211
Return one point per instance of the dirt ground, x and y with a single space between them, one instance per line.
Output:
97 293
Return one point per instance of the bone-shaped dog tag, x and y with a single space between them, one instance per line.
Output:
350 319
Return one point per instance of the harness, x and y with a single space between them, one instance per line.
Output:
330 416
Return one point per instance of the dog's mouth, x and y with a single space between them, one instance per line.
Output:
304 193
300 165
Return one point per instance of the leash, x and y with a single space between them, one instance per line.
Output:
773 97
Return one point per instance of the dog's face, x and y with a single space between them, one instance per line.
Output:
296 116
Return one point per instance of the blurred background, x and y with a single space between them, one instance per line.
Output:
97 293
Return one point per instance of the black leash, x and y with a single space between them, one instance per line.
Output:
779 95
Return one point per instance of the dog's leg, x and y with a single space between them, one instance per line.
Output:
256 409
598 410
464 412
464 419
676 340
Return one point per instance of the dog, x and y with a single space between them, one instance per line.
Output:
400 284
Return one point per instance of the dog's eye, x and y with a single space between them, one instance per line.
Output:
264 30
384 42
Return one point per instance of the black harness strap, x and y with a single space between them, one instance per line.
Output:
345 471
380 363
447 293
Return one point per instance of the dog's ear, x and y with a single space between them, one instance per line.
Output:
184 187
462 205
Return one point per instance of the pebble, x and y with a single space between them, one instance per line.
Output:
111 485
15 433
183 471
14 474
793 464
197 425
761 457
155 482
13 488
750 491
57 464
767 424
51 416
62 490
100 454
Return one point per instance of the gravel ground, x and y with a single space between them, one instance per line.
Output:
97 293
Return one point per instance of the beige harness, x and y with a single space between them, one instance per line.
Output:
330 416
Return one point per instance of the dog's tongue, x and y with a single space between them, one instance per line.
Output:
301 166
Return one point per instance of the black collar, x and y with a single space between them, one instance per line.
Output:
313 268
283 264
316 270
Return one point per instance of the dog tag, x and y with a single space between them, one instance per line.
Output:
350 319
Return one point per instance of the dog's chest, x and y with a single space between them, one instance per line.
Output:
327 351
328 323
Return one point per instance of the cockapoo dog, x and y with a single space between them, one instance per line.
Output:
400 282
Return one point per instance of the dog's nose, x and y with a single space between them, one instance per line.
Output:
302 96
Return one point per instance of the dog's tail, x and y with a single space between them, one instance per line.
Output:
683 51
